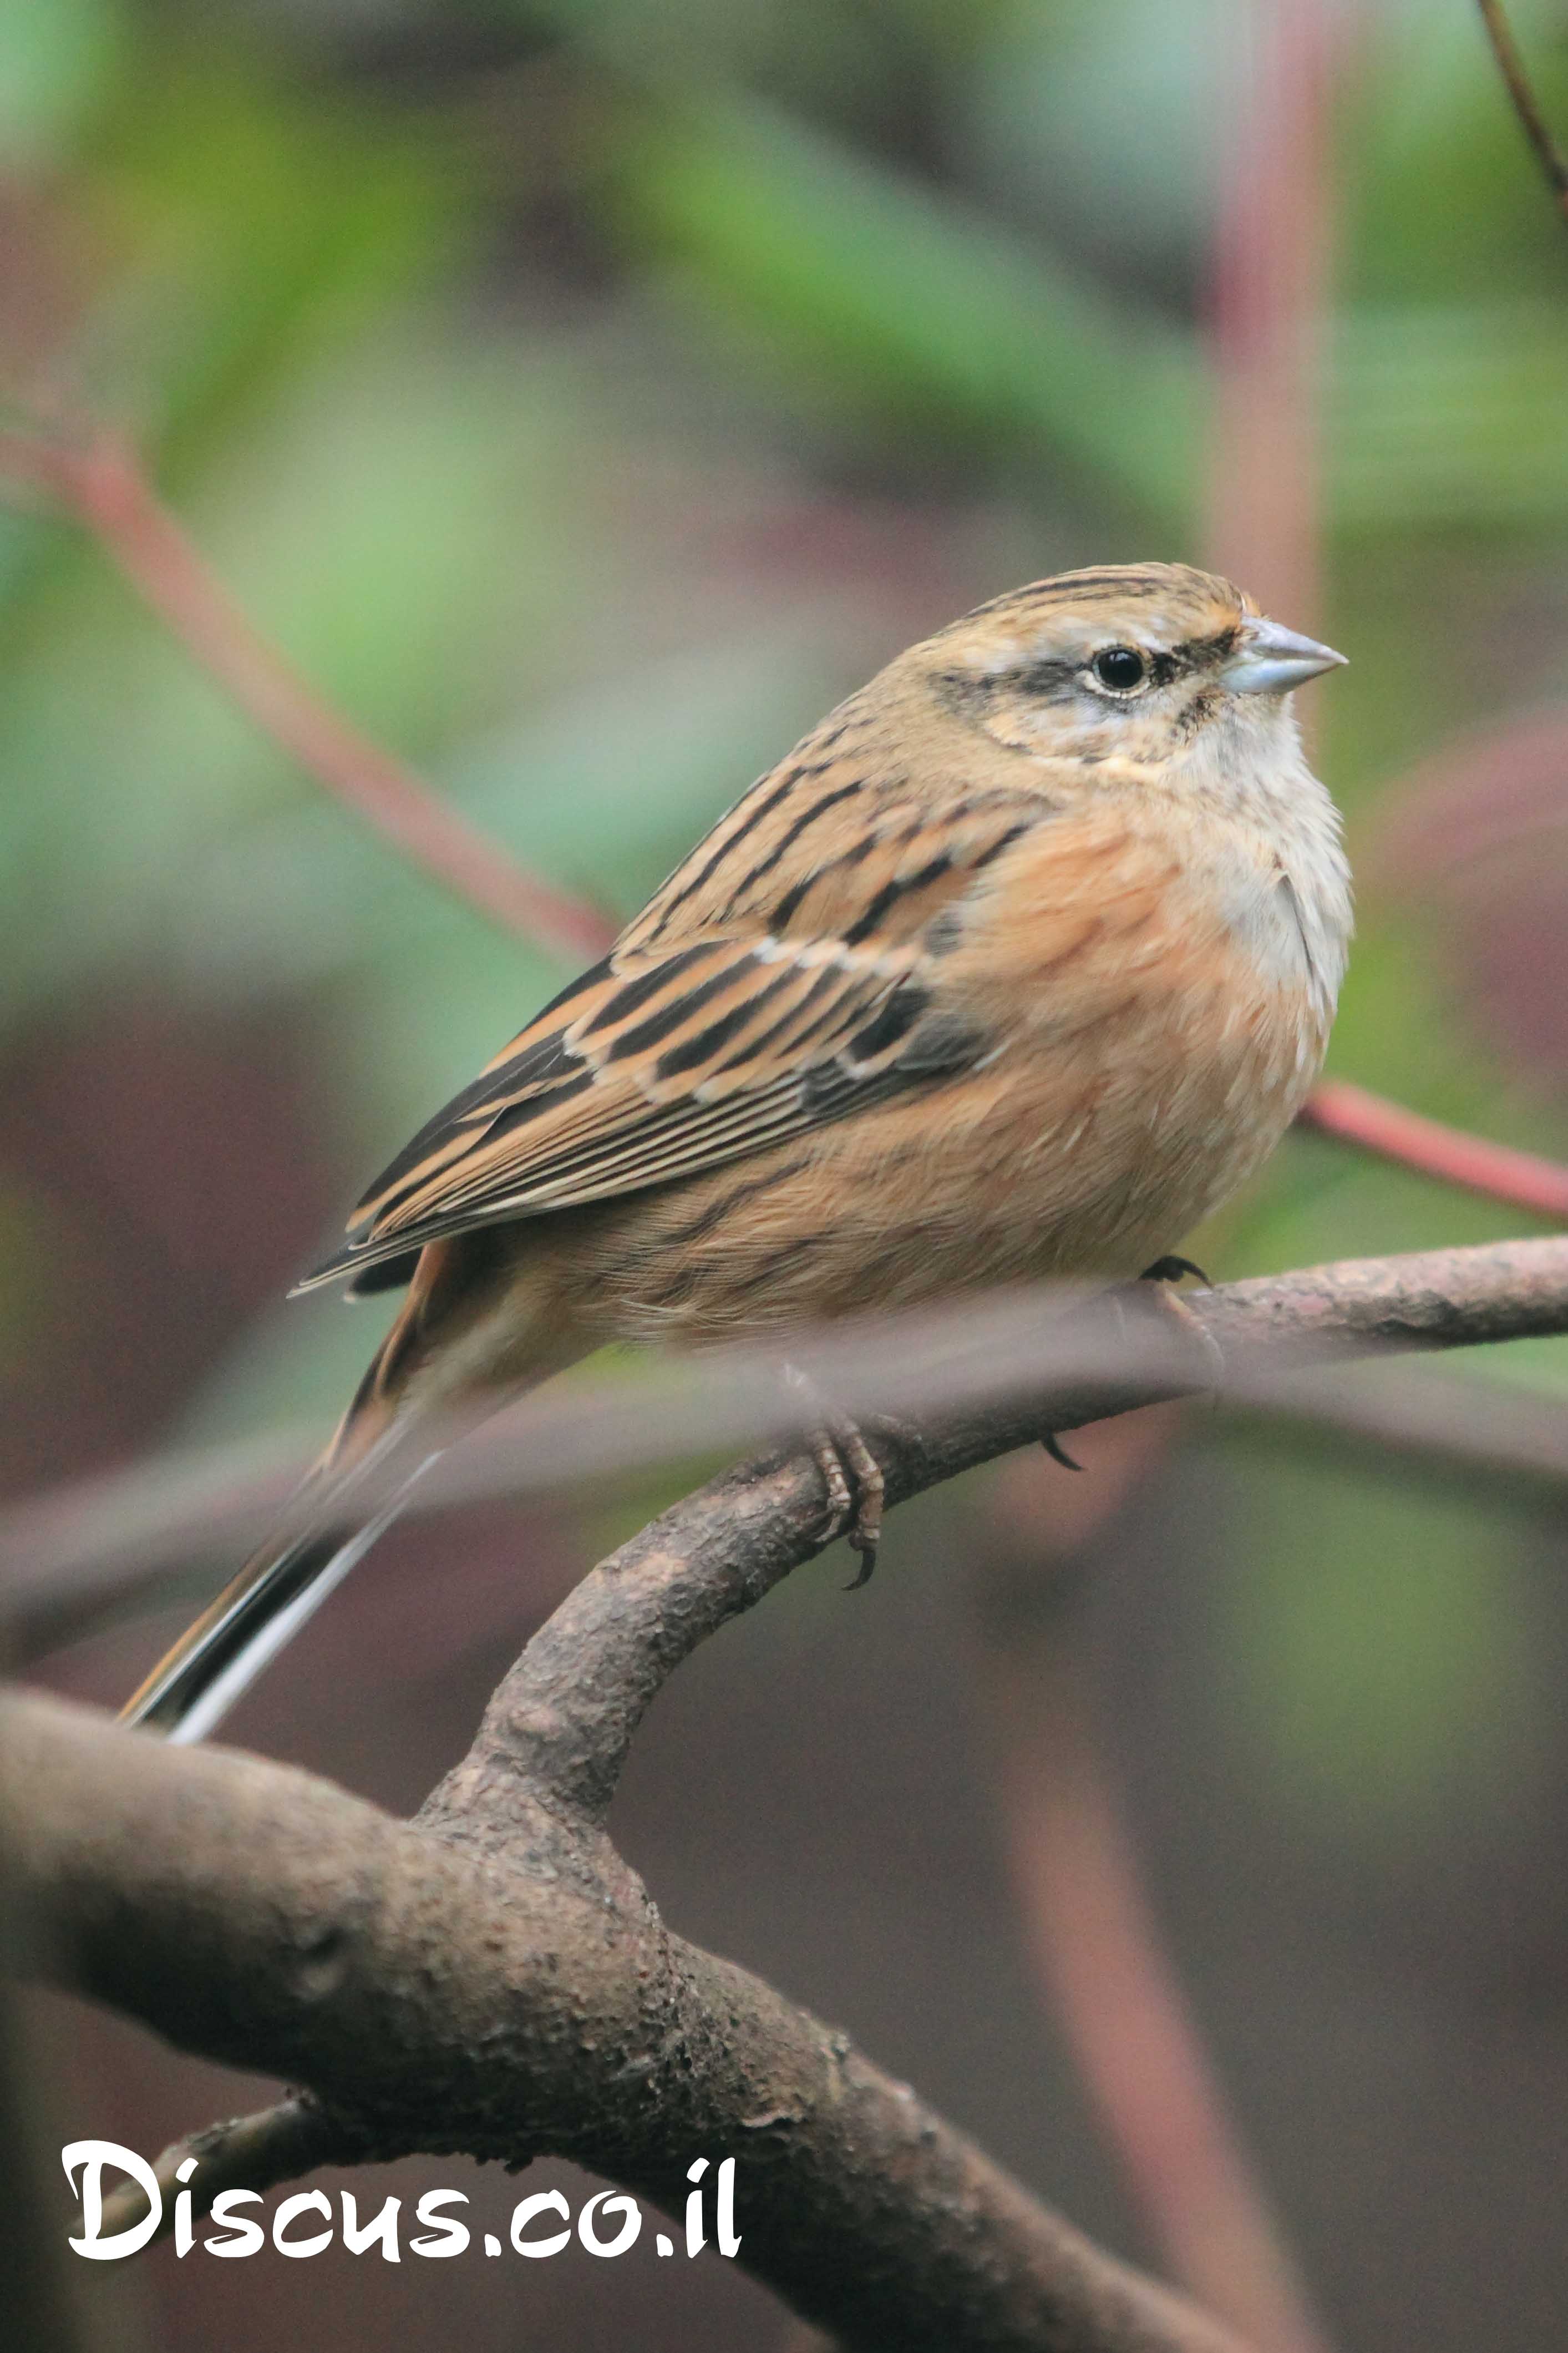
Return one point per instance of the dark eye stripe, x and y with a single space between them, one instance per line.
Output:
1198 652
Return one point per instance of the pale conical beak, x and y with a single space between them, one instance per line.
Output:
1270 660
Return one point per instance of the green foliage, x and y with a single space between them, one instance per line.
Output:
1383 1673
864 286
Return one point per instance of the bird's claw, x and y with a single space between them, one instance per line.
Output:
1171 1268
855 1486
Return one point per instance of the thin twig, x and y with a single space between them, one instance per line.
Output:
1525 104
1497 1171
97 479
66 1554
251 2152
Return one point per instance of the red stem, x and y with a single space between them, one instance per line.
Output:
101 485
1133 2035
1523 1180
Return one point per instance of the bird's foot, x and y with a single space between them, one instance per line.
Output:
851 1475
1167 1271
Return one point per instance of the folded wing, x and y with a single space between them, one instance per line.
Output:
707 1034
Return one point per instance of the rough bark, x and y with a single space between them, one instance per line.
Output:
492 1977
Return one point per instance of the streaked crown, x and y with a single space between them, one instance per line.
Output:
1170 607
1129 662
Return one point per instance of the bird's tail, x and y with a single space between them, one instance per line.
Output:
450 1361
388 1434
193 1687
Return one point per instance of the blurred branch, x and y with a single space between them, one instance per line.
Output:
1268 307
1438 1426
96 479
1525 105
431 1982
64 1556
1097 1949
1523 1179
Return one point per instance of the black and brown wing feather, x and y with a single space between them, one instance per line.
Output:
782 977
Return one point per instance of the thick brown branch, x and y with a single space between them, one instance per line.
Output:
438 2001
492 1977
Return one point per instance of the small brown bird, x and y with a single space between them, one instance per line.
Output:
1015 967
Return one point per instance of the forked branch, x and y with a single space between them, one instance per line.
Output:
493 1978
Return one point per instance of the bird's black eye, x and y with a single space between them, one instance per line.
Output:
1119 669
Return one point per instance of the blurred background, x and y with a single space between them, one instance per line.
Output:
586 396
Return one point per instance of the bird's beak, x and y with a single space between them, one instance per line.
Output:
1270 660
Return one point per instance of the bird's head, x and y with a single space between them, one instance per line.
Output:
1137 665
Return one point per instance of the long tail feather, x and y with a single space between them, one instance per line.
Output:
193 1685
449 1361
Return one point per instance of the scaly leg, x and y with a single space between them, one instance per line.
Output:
850 1473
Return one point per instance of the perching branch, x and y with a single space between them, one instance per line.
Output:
505 1987
66 1554
492 1977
